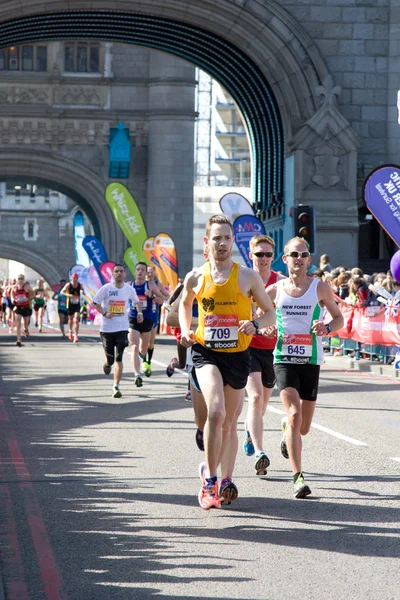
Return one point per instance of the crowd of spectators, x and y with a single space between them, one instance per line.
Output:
353 286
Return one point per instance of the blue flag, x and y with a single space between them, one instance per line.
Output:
245 227
95 251
382 197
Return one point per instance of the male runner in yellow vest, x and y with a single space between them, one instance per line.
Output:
223 290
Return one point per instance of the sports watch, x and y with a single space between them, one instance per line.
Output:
328 328
256 325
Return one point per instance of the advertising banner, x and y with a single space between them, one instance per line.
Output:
95 251
373 324
81 256
129 218
165 252
234 205
106 270
90 284
382 197
151 259
130 258
245 227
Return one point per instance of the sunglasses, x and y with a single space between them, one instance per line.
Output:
261 254
295 254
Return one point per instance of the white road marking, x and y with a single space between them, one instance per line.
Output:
324 429
338 435
179 371
393 458
331 432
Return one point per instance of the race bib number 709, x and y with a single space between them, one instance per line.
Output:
221 331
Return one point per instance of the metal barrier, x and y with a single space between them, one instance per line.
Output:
378 353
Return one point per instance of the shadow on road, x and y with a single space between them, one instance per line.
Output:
104 533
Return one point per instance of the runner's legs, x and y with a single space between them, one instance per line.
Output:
211 384
18 320
257 405
134 340
234 404
292 404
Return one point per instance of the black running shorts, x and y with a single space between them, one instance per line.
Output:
114 339
24 311
73 309
303 378
37 306
143 327
233 366
262 361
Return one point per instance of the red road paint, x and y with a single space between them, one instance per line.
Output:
15 584
45 556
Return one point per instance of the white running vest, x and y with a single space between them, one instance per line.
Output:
296 343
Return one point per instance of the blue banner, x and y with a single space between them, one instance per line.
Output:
382 197
95 251
245 227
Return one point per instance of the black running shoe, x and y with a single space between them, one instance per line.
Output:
300 488
138 381
116 392
106 369
200 439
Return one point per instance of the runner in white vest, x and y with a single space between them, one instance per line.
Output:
300 302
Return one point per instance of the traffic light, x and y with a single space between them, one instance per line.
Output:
304 224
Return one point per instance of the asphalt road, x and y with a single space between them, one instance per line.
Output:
98 497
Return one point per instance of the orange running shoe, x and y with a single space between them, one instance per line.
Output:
71 337
208 495
76 339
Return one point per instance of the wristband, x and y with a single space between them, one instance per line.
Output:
104 313
140 313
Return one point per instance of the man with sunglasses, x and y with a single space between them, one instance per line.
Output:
261 380
300 301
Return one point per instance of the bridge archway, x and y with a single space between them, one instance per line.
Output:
37 261
72 179
257 51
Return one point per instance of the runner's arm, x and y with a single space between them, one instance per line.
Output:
163 290
64 291
157 295
173 316
185 309
137 305
268 317
97 302
100 309
327 299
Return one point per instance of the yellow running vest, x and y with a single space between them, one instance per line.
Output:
221 307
